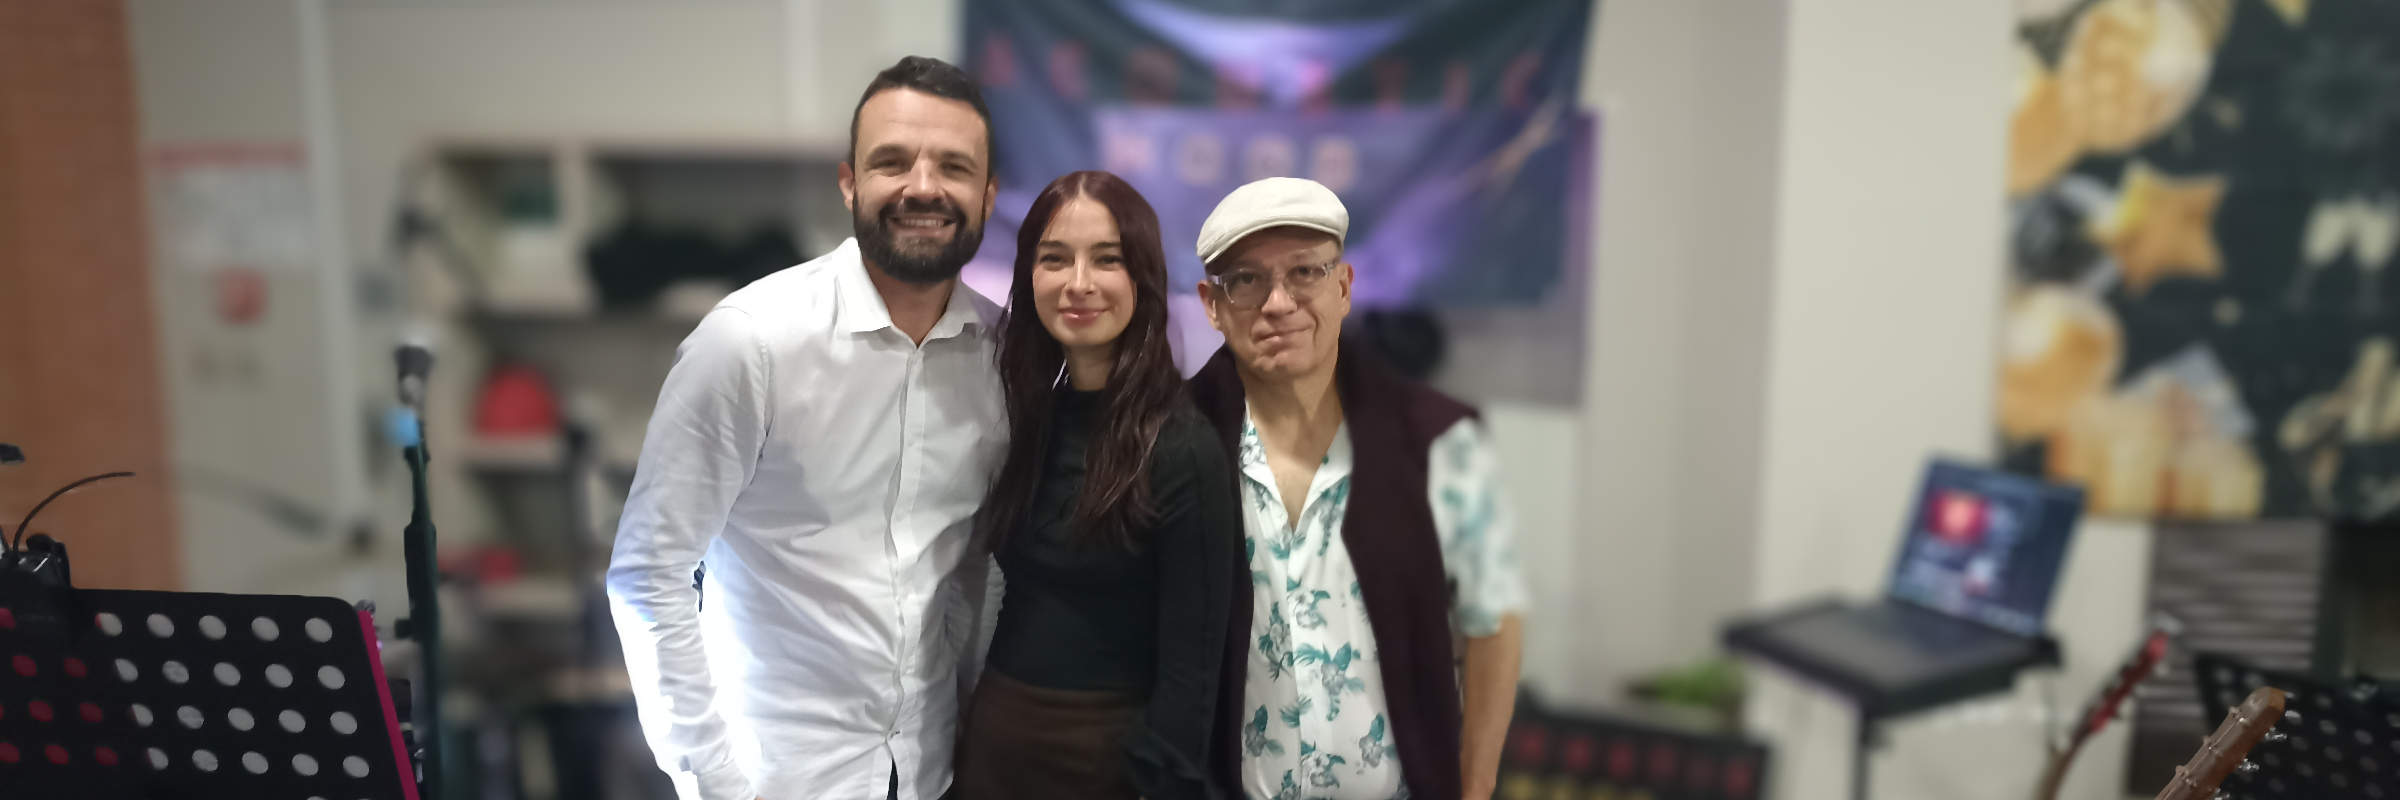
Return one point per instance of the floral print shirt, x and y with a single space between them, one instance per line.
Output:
1314 728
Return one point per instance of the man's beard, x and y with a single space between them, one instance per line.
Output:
923 262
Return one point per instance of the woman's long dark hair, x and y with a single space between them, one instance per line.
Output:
1143 386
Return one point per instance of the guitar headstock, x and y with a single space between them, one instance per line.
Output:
2224 750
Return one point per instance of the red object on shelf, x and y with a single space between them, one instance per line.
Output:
484 565
516 402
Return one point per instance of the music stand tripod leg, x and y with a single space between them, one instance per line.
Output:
1861 755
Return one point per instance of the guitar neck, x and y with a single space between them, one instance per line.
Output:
2225 749
2145 660
2054 774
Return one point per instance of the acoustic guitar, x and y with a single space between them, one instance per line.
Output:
2226 749
2144 663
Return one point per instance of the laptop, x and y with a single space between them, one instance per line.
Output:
1963 609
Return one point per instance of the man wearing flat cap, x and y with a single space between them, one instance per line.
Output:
1378 654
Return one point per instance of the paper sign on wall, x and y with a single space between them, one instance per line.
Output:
220 206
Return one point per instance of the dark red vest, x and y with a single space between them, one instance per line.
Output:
1389 532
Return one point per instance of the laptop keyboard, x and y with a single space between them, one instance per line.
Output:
1929 632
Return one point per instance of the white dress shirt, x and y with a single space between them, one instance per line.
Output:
826 469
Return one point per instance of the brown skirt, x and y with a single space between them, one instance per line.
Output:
1025 742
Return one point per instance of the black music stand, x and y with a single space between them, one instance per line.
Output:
176 696
2333 743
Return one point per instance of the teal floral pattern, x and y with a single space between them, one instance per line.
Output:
1254 736
1304 607
1317 729
1259 577
1375 748
1293 713
1320 767
1290 790
1276 644
1333 673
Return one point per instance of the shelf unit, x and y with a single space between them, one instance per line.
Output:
497 270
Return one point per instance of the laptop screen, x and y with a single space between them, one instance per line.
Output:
1986 546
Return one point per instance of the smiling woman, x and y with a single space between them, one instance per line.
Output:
1081 289
1091 269
1114 519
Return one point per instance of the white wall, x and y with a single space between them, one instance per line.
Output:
1687 93
218 73
1886 281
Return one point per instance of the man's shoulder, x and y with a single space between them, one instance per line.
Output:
1428 412
987 312
1216 390
1432 406
791 303
817 281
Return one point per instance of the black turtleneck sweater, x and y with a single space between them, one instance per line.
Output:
1091 617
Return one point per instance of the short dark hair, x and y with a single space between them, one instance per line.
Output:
935 77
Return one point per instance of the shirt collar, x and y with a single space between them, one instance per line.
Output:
863 311
960 314
1334 468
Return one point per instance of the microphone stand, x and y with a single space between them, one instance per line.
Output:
424 622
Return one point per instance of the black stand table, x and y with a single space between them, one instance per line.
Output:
1813 642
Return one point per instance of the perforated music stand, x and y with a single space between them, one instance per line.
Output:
175 695
2335 745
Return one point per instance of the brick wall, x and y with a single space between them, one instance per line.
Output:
80 385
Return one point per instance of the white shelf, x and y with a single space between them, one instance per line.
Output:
530 454
607 364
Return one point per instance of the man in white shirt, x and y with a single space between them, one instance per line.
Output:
813 464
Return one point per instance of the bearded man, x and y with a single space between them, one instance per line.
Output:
812 467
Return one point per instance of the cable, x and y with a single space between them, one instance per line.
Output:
18 543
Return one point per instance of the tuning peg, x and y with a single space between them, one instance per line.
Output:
2221 795
2275 736
2247 766
2292 716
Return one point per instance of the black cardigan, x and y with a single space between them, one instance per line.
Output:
1095 618
1389 532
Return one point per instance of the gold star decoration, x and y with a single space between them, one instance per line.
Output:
2162 227
2292 11
2041 140
2215 17
2131 68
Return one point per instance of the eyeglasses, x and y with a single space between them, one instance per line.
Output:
1249 289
